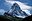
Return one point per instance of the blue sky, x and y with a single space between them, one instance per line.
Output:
6 6
3 5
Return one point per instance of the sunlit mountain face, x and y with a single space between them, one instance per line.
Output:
25 5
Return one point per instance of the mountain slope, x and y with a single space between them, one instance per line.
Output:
16 11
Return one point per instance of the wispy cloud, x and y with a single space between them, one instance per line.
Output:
2 11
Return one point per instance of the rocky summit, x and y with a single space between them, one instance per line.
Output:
16 11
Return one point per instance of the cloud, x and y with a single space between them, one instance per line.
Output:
11 2
2 11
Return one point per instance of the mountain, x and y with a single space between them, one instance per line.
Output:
16 11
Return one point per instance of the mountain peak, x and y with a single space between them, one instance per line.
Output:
16 11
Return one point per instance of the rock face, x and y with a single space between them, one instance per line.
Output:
16 11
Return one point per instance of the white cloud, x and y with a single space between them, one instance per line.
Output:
2 11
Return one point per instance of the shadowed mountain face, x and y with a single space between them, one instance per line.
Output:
16 11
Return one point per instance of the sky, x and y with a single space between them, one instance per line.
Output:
5 5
